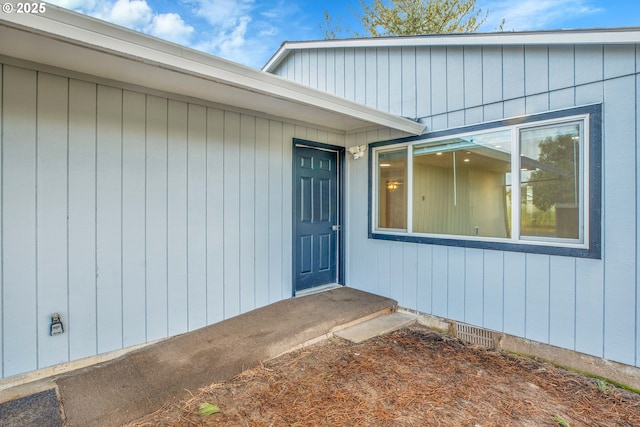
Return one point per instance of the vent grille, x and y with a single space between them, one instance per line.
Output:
474 335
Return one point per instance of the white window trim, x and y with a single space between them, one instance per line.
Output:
584 209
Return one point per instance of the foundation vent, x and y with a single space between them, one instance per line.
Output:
474 335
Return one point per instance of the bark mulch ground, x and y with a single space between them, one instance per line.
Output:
412 377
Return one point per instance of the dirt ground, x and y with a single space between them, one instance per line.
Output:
412 377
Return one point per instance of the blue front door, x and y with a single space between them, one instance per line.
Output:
316 217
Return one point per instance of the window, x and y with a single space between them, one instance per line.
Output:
392 189
529 184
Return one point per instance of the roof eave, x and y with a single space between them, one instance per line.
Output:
626 35
119 47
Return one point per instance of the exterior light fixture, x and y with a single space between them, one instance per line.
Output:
358 151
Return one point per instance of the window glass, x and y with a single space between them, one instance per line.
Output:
461 186
550 181
392 189
524 184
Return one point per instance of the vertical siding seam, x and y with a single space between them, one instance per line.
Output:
482 104
269 214
575 304
464 284
166 210
446 306
447 113
240 194
502 115
308 64
2 346
604 76
549 78
364 75
483 288
206 216
282 179
335 76
417 276
401 82
331 71
482 100
306 67
464 86
388 109
255 136
95 217
525 94
344 73
122 93
637 356
255 183
502 293
575 87
284 261
187 223
324 72
415 87
603 191
294 61
146 213
222 263
67 213
37 277
548 299
431 273
526 285
375 51
575 79
430 89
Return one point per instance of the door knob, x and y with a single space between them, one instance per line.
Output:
335 227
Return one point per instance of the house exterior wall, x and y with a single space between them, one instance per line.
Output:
136 216
587 305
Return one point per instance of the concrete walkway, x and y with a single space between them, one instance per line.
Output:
124 389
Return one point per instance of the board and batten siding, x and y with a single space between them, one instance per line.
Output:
135 216
587 305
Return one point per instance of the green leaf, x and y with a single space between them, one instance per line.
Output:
207 409
561 421
603 386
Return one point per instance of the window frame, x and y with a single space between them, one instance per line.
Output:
590 182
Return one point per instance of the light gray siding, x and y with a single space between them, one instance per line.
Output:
135 216
587 305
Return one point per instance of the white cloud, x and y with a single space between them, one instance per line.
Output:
170 26
222 13
134 14
268 30
137 15
228 43
244 31
534 14
238 30
80 5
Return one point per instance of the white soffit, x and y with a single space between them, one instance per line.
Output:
68 40
630 35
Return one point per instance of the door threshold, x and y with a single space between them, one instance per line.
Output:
317 289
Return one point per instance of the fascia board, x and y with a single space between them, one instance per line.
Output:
153 52
629 35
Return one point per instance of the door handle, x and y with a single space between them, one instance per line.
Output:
335 227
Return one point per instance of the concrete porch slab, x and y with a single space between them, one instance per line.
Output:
127 388
376 326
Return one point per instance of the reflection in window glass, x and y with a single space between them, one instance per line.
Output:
549 180
461 186
392 189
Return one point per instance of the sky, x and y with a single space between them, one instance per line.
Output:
249 32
